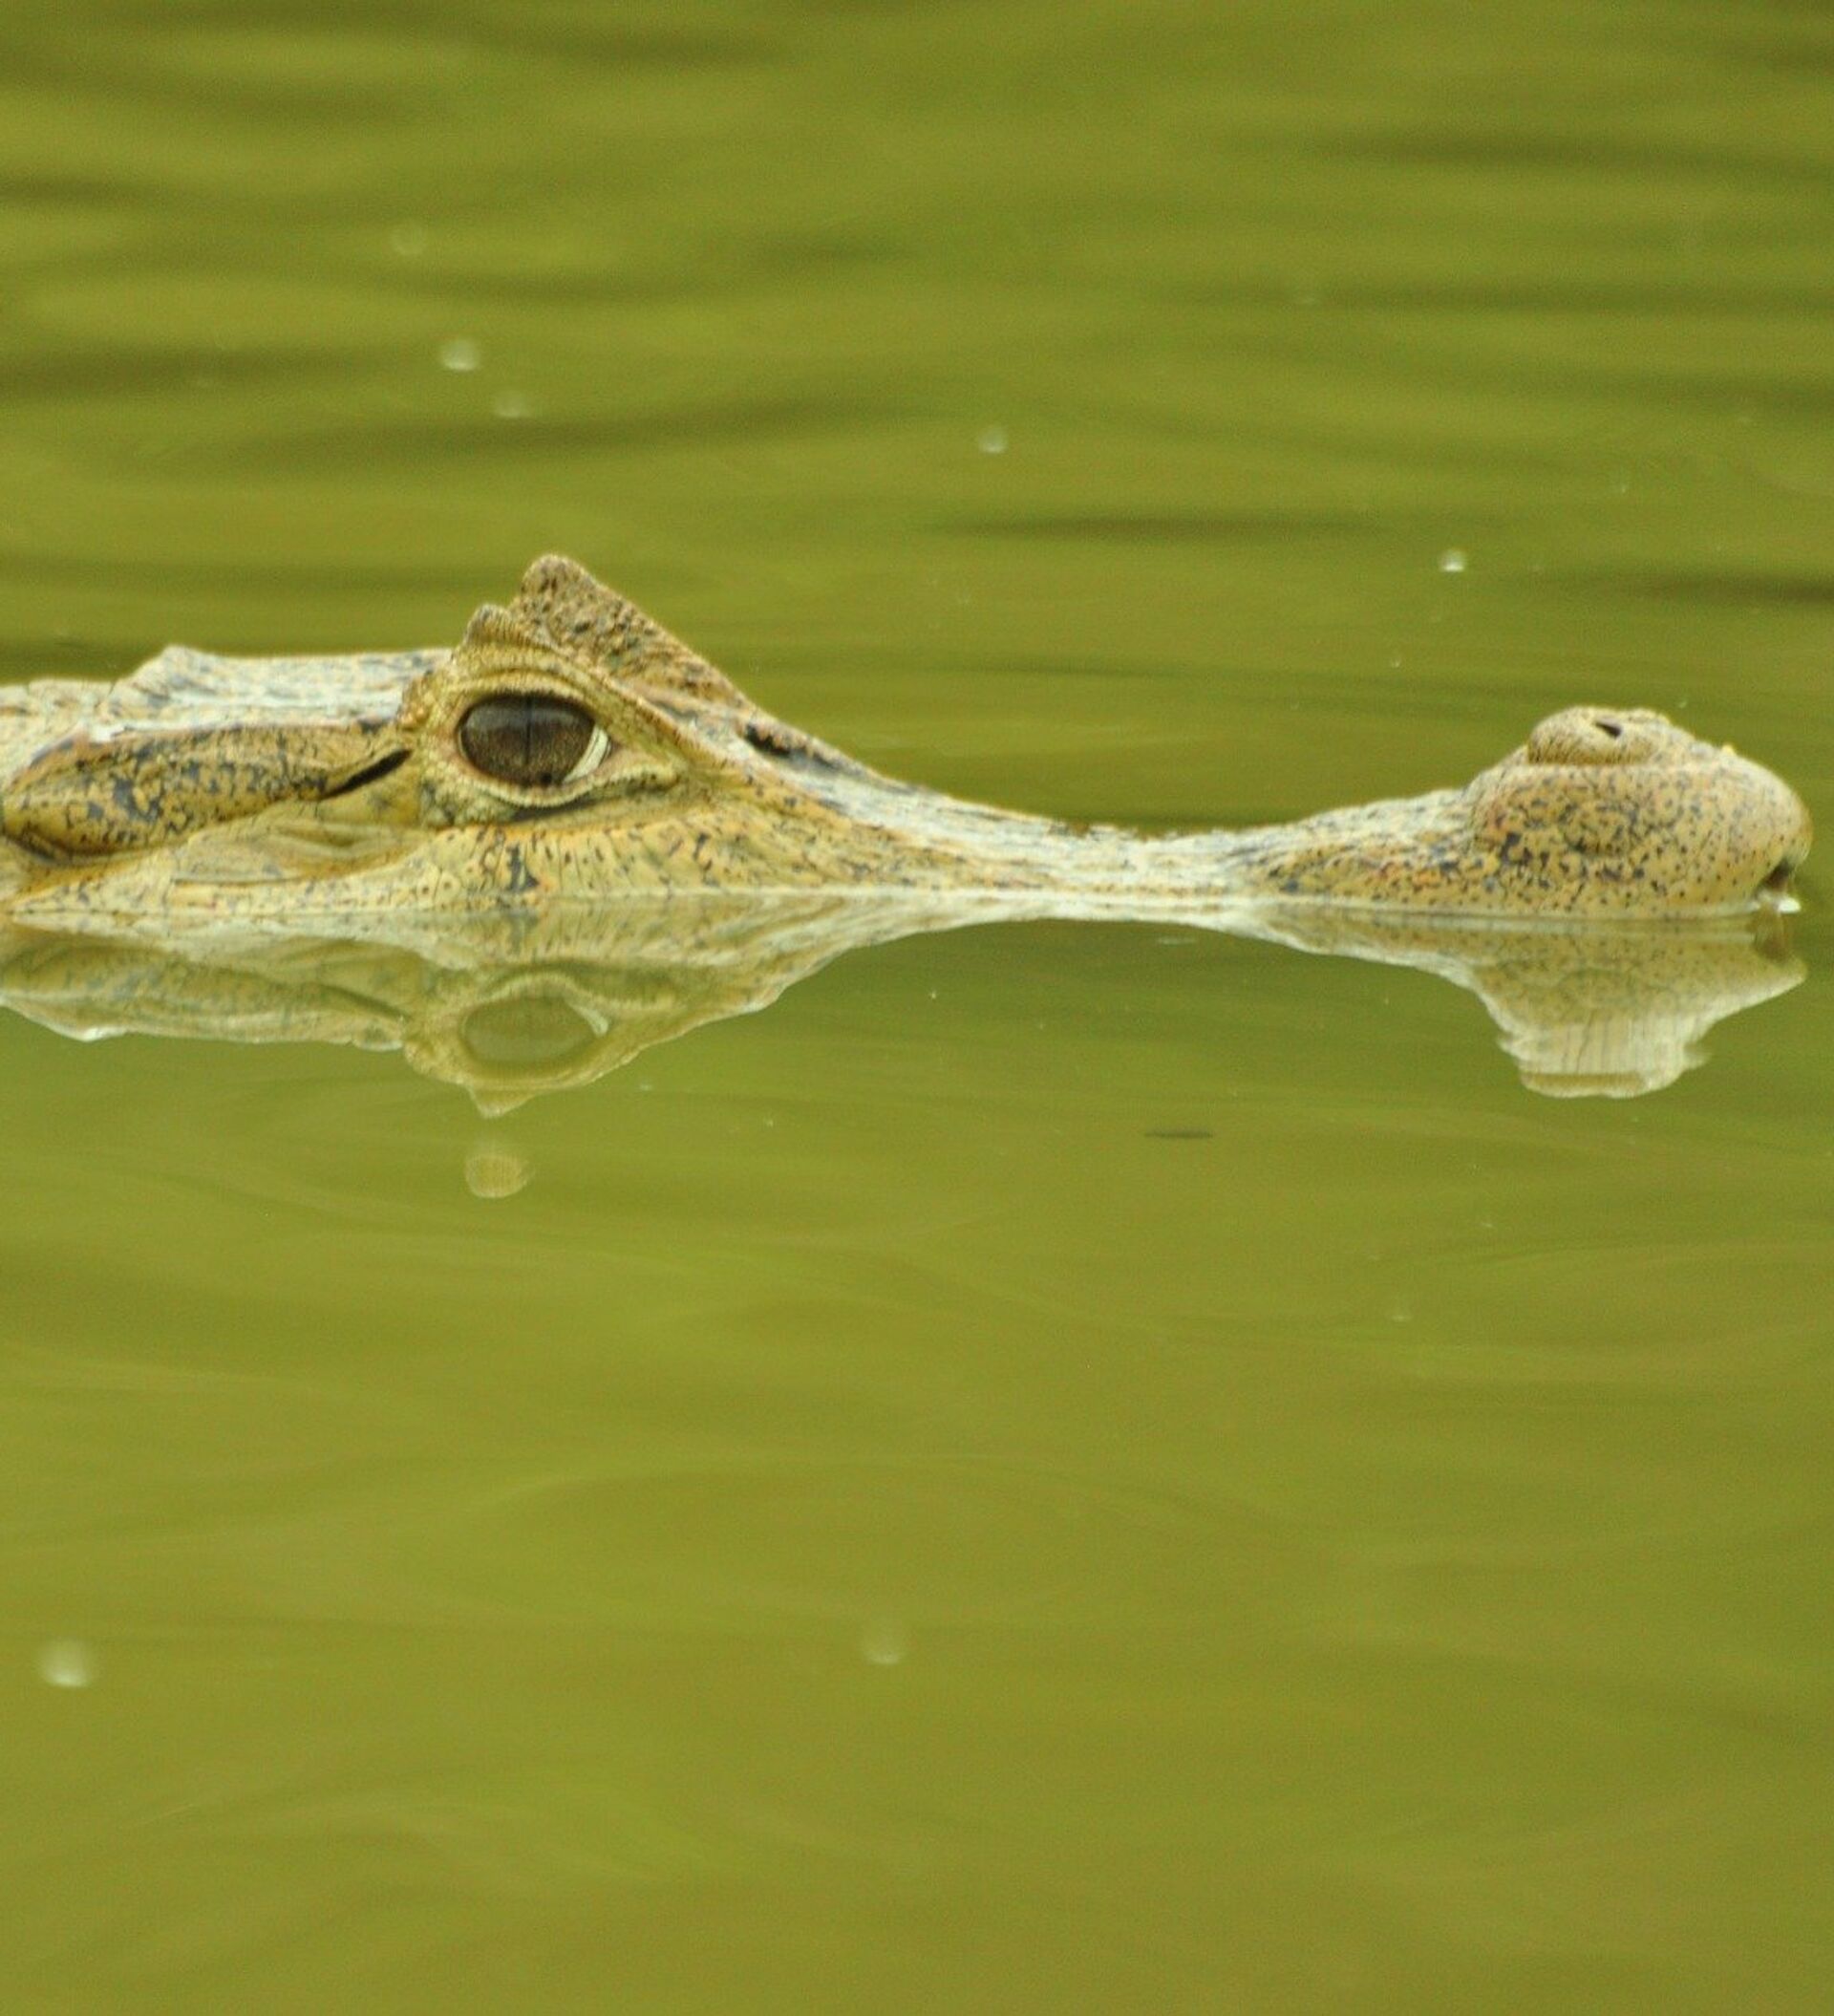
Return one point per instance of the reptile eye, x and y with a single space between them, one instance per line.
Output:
532 739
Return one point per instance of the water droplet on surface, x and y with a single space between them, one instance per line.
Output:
66 1663
512 405
408 239
1452 561
460 354
992 440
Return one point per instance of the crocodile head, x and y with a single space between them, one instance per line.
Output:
567 745
568 748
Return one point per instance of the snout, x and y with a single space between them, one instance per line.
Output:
100 792
1792 836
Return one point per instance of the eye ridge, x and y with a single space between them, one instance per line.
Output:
535 741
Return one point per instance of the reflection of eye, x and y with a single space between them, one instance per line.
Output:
532 739
526 1032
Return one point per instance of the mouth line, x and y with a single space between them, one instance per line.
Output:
1776 890
370 774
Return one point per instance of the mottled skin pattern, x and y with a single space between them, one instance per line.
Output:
297 794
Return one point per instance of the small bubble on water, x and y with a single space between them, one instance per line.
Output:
66 1663
1453 561
992 440
512 405
409 239
460 354
885 1642
494 1170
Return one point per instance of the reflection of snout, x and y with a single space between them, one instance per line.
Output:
1590 1010
1600 1033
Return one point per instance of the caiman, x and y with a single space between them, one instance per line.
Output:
569 751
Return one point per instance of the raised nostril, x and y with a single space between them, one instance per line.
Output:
1612 728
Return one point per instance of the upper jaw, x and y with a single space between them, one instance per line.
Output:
101 793
191 737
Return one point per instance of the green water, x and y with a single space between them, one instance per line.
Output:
1060 1467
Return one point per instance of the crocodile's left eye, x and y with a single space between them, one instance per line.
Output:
533 739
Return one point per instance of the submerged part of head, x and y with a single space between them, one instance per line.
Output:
568 747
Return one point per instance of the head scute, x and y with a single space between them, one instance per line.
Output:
571 611
495 629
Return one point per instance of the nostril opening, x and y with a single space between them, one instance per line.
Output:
1778 879
1612 728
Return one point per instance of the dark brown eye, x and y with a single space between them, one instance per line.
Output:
530 739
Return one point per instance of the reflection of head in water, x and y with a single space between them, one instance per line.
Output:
509 1009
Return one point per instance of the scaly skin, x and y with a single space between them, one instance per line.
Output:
300 794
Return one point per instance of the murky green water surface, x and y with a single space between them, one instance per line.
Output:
1060 1468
